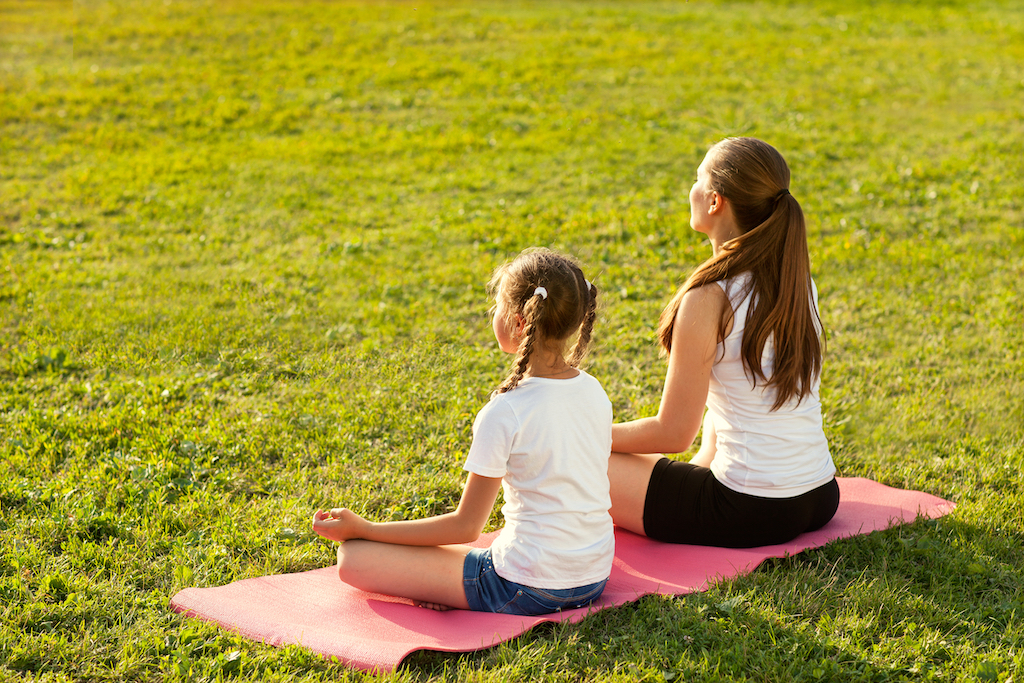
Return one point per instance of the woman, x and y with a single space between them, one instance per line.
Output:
743 338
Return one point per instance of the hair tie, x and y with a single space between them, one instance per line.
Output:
540 290
589 286
782 193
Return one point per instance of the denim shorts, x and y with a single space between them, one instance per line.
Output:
488 592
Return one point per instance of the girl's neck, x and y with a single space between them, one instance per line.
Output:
551 364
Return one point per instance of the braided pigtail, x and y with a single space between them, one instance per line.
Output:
546 299
582 345
533 311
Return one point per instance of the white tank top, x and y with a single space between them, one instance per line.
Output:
778 454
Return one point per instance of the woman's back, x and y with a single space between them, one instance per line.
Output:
762 452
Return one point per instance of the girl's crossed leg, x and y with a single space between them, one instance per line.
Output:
431 576
419 558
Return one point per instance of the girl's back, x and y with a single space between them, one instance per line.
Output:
550 440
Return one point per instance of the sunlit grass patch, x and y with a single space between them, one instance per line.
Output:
243 249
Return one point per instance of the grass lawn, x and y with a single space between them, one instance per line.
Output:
243 249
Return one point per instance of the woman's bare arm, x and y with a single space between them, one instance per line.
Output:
694 345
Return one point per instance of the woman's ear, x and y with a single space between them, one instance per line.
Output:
716 203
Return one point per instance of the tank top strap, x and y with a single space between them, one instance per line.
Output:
738 290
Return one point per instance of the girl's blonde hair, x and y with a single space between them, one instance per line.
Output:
570 304
754 177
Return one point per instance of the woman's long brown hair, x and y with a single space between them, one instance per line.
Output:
754 178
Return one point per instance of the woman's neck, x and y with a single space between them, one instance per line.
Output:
717 241
723 230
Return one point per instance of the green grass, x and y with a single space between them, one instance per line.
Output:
243 251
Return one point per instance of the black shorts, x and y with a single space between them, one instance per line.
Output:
686 504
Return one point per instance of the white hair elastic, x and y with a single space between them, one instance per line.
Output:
589 285
540 290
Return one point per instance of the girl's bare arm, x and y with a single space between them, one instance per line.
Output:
461 526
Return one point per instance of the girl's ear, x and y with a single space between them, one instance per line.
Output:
520 325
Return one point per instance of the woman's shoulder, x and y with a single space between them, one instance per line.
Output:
703 300
736 289
699 317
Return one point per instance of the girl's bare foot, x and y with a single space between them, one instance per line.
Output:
432 605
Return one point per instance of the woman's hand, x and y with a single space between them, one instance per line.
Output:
338 524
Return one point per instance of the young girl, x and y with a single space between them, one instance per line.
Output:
743 338
544 438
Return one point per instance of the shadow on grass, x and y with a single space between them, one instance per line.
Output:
937 598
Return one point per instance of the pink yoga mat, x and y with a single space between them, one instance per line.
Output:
372 632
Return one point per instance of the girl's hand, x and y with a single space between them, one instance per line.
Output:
462 526
338 524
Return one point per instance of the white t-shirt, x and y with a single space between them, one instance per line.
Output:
550 440
760 452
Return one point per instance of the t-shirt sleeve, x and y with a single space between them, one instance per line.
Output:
494 432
